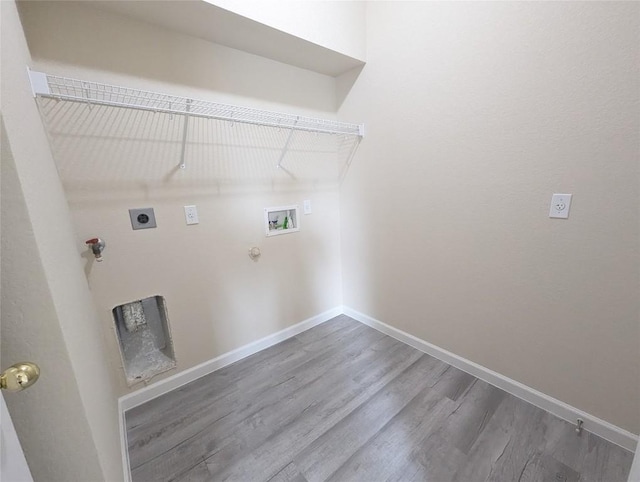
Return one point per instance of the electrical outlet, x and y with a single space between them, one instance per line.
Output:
560 204
307 206
142 218
191 214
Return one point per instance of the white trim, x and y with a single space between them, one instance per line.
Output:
558 408
161 387
124 444
634 473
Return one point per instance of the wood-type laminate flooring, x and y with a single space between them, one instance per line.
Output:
344 402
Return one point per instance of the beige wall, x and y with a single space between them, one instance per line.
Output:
475 114
337 25
67 422
111 160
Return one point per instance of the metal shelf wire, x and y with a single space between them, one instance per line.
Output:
296 146
75 90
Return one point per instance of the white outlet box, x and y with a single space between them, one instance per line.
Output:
307 206
560 204
191 214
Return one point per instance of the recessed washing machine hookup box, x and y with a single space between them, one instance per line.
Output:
281 220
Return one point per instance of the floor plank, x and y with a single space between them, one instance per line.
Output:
345 402
332 401
289 474
341 442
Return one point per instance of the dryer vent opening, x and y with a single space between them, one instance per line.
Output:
144 337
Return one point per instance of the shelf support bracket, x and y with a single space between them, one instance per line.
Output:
345 168
286 148
182 165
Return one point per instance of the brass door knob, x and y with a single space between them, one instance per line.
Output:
19 376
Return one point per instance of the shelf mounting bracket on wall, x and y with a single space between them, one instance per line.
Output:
285 148
185 130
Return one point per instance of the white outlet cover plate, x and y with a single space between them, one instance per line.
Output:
560 204
191 214
307 206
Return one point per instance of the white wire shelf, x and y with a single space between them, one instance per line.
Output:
75 90
296 146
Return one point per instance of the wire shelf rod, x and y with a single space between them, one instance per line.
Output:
92 93
185 131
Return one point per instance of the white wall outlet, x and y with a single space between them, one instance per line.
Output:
307 206
560 204
191 214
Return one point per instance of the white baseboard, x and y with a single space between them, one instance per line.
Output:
124 445
163 386
563 410
634 473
